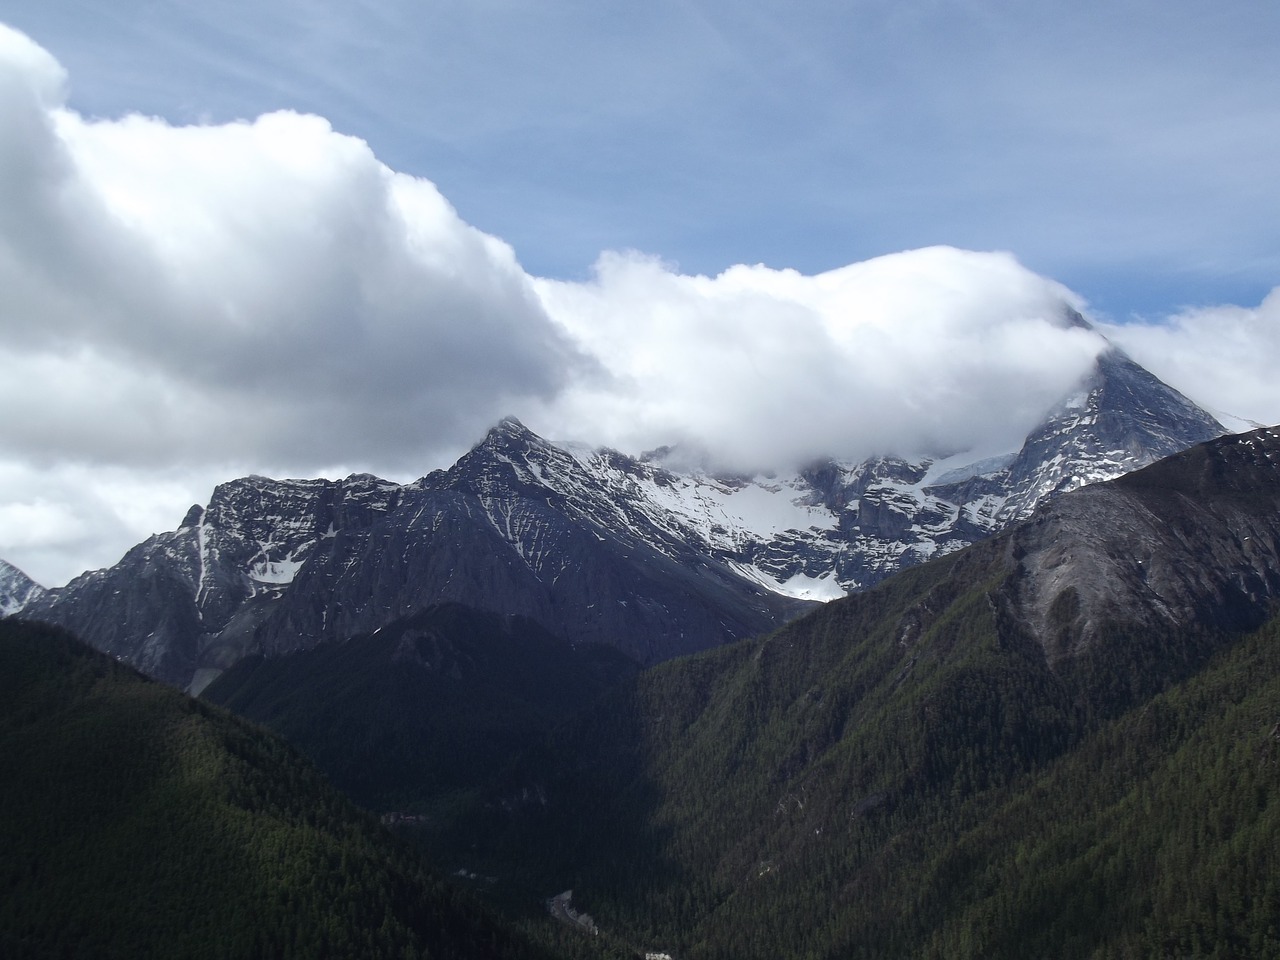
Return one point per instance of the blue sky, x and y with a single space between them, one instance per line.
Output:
304 239
1125 149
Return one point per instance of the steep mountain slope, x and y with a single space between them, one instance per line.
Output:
893 513
17 590
425 707
594 545
1189 542
136 822
192 597
271 566
830 790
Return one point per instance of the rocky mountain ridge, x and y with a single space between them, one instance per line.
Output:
597 546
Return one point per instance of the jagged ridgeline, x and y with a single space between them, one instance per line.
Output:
136 822
650 555
1061 742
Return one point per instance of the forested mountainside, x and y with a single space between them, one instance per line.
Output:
425 707
137 822
977 817
1061 742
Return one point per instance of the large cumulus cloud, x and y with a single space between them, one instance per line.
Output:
262 289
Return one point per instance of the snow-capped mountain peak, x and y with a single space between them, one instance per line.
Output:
17 590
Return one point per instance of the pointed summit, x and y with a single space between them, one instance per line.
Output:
511 457
16 589
509 425
507 435
1074 318
1120 417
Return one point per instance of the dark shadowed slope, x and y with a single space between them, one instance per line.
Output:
136 822
426 707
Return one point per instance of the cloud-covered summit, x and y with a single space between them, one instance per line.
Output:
923 351
268 291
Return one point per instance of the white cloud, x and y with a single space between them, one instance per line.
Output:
264 286
1225 358
928 350
56 520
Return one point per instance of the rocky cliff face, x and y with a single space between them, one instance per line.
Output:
190 598
273 566
17 590
595 545
1192 541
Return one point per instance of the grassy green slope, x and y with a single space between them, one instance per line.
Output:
137 822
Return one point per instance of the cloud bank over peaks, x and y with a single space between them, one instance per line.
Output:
185 304
267 292
926 351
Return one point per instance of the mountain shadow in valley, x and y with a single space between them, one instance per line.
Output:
137 822
408 716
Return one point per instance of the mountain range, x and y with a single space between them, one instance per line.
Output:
1060 741
594 545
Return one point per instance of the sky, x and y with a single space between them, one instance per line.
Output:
305 239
